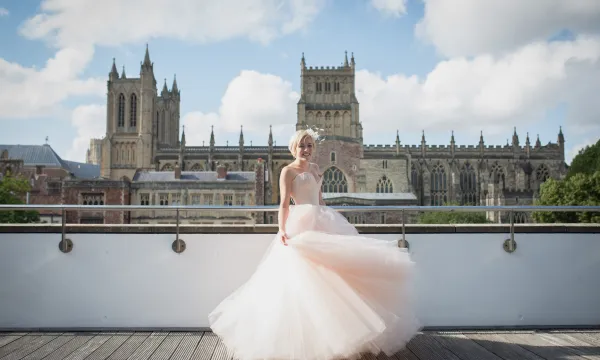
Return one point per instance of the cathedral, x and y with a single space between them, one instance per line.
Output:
143 140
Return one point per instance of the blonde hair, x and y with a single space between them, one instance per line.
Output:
298 136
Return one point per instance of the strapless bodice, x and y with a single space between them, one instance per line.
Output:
305 189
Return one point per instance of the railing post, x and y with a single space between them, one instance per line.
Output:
178 245
509 244
65 245
403 242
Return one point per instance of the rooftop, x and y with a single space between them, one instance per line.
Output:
207 346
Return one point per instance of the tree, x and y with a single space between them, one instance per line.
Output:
581 187
587 161
454 217
12 191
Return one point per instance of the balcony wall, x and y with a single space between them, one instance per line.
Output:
129 276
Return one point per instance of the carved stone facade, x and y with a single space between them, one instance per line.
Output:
143 133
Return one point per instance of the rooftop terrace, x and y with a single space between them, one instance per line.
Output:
485 291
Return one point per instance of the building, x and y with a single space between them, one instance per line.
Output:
143 135
46 172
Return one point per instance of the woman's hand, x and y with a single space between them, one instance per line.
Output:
282 237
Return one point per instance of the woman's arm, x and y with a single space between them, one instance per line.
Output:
284 205
321 201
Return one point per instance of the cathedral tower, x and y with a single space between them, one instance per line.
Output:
138 121
328 101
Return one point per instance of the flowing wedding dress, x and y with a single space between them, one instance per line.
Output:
329 294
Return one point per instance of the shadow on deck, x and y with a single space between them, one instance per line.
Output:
430 345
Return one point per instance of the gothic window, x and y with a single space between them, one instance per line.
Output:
318 87
542 173
319 119
497 175
163 199
328 123
167 167
439 186
332 157
133 111
337 123
92 199
334 181
145 199
336 87
468 185
384 185
414 177
121 114
384 164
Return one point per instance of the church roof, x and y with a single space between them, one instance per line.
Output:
44 155
206 176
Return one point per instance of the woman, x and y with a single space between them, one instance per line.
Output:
322 291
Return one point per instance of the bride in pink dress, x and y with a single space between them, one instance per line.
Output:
321 291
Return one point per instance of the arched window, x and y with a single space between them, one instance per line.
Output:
468 185
542 173
334 181
439 185
332 157
133 111
121 114
497 175
384 185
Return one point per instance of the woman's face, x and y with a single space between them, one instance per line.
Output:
304 149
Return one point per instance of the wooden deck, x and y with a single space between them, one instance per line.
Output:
481 345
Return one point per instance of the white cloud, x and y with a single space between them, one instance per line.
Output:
253 100
27 92
90 122
487 92
4 12
394 8
115 22
472 27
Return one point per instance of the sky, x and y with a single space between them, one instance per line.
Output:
438 66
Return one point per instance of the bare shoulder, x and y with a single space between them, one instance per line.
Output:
286 172
316 168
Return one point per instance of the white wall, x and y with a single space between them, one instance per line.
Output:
136 280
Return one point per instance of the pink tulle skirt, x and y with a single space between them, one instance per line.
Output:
329 294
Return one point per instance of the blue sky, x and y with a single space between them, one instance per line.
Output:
437 66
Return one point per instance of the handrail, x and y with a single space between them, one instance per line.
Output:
66 245
274 208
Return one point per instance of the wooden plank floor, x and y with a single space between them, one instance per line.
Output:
480 345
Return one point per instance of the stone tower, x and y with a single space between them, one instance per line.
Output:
328 101
138 121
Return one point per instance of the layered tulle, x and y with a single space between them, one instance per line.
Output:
329 294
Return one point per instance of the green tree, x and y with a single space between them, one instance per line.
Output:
12 191
453 217
587 161
580 189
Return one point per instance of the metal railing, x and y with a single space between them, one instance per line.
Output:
66 245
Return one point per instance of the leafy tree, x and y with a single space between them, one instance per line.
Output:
454 217
587 161
12 191
580 189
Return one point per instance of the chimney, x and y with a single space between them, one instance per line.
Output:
177 172
221 172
